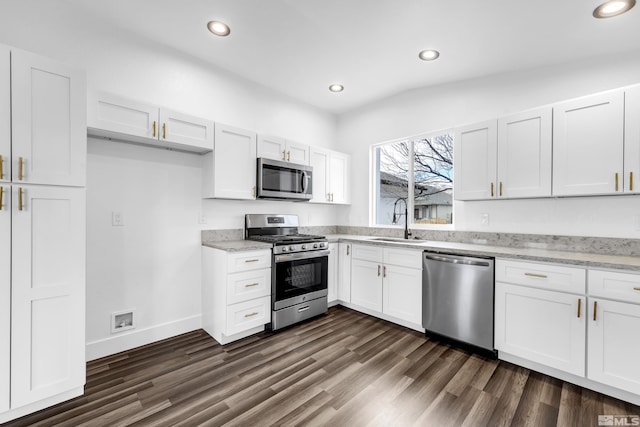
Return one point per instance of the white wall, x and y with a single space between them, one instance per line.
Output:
152 263
442 107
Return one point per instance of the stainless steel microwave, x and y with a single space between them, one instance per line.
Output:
284 180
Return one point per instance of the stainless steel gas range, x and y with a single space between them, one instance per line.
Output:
298 268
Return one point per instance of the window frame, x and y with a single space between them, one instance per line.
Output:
374 178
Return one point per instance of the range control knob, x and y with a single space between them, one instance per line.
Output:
315 246
291 248
284 249
304 247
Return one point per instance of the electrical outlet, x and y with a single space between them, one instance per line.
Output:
484 219
117 219
201 218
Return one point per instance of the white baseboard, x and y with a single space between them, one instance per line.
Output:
138 337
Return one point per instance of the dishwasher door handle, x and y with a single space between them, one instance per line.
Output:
456 260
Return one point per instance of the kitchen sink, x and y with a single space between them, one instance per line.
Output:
397 240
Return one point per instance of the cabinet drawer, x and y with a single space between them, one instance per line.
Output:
250 260
247 315
368 253
248 285
543 276
615 285
403 257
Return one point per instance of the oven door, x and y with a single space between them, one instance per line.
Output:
283 180
299 277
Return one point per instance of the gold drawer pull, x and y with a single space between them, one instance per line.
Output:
492 189
249 285
636 289
500 188
1 193
20 166
595 310
20 204
251 260
542 276
154 128
164 131
616 181
255 313
579 306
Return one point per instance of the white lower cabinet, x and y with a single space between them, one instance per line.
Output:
344 272
236 293
612 329
546 318
542 326
332 274
388 281
366 284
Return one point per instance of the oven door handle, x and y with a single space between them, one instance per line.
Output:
300 255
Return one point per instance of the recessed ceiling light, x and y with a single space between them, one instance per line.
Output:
613 8
336 88
429 55
219 28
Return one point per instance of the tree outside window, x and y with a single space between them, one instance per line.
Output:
429 174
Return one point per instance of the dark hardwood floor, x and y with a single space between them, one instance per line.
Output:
341 369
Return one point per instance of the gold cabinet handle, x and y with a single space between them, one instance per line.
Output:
579 306
288 156
20 167
636 289
251 260
542 276
348 252
250 285
154 128
500 188
20 204
378 270
595 310
492 189
1 193
164 131
384 271
1 170
630 180
255 313
616 181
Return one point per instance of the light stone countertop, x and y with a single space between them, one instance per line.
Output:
525 254
237 245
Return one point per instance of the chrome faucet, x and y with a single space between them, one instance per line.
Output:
407 233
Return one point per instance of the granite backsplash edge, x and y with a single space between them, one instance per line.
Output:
595 245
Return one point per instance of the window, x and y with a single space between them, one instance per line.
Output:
414 175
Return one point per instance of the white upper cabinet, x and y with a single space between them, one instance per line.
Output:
276 148
229 172
5 115
116 117
475 154
588 145
632 140
48 121
524 155
339 170
48 292
5 295
331 176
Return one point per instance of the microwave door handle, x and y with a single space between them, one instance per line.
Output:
304 181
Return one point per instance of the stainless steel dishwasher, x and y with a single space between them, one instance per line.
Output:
457 298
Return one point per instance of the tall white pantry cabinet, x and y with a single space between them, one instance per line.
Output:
43 232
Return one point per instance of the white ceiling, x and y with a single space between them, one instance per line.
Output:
300 47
